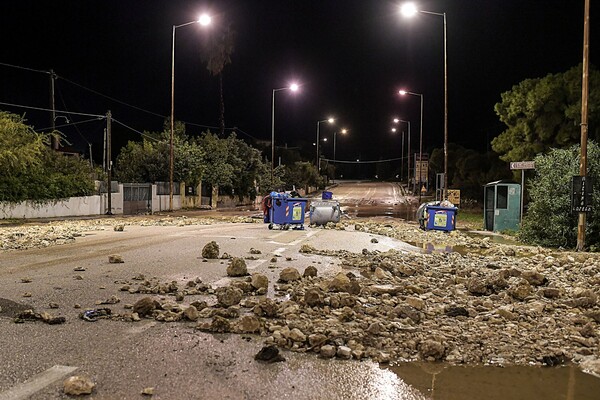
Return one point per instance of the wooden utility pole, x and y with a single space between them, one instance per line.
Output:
109 161
584 118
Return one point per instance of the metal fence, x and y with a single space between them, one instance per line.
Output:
162 188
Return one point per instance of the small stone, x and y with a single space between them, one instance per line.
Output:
149 391
274 259
78 269
255 251
26 280
269 354
119 228
229 296
78 385
211 250
344 352
115 259
248 324
237 267
313 297
289 274
432 349
27 294
259 281
310 271
454 311
374 240
53 305
190 313
145 306
328 351
297 336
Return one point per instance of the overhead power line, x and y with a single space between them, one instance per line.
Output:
50 110
362 162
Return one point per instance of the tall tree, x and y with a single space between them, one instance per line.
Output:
544 113
217 53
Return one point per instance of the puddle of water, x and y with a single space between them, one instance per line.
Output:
443 382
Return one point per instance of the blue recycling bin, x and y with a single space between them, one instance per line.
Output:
287 211
440 218
326 195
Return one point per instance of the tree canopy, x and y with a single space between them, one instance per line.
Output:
30 170
544 113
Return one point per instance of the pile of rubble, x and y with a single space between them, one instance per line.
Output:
395 306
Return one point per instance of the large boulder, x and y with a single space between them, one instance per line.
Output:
211 250
237 267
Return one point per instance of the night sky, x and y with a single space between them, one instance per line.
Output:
350 56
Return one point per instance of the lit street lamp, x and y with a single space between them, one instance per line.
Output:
343 131
331 121
404 93
203 20
410 10
293 87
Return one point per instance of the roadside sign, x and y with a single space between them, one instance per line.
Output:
522 165
582 191
454 196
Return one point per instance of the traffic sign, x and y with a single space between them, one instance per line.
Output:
522 165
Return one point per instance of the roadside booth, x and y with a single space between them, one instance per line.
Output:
501 206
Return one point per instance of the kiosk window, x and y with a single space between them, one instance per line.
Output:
502 197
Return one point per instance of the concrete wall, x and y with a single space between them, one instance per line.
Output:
73 206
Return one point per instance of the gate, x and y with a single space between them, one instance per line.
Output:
137 198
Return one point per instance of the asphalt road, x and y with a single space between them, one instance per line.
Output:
179 361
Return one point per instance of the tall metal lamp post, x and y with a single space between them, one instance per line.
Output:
293 87
410 10
343 132
397 120
204 20
404 93
331 121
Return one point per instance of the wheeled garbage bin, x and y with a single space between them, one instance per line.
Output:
286 212
324 211
440 218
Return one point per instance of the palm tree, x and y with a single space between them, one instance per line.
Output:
217 54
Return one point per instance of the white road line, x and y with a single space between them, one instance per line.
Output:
256 264
37 383
298 241
139 329
279 251
277 235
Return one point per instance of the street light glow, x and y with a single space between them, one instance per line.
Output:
394 130
294 87
344 131
403 93
204 19
409 9
331 120
396 120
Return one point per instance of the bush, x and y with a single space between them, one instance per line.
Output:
549 220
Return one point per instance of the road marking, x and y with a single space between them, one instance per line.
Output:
298 241
277 235
256 264
279 251
37 383
139 329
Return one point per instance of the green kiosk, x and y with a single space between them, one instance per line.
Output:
502 206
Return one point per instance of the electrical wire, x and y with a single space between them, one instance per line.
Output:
71 124
136 131
362 162
48 109
26 69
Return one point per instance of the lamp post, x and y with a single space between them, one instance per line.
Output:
203 20
397 120
293 87
404 93
343 131
410 10
331 121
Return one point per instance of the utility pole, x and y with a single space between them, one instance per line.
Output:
53 139
584 118
109 161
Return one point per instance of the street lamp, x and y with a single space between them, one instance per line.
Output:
203 20
293 87
397 120
343 131
410 10
404 93
331 121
